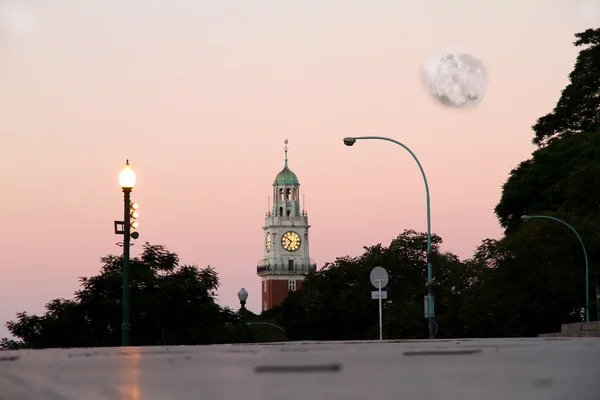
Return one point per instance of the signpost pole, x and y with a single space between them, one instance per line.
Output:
379 279
380 313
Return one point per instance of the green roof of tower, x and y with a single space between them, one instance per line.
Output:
286 176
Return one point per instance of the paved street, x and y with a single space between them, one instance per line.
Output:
454 369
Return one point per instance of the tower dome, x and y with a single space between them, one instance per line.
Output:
286 176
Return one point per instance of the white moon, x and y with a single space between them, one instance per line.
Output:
455 79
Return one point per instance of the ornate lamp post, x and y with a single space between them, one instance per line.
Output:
127 180
243 296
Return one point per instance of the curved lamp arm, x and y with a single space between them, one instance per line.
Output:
349 141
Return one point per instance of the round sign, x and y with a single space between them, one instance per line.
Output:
377 274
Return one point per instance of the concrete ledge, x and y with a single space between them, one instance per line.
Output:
590 334
577 329
589 326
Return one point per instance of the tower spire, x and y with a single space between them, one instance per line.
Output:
286 150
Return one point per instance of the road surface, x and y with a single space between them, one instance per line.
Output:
486 369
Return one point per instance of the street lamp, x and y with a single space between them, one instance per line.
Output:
243 296
127 180
587 271
349 141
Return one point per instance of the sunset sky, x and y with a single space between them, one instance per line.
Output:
200 96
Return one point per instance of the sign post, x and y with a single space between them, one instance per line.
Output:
379 278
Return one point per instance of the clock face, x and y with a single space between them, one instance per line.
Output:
290 241
268 242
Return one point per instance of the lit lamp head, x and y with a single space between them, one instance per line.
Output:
127 177
349 141
243 296
525 217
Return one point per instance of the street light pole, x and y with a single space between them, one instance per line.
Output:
587 270
127 180
349 141
126 327
243 296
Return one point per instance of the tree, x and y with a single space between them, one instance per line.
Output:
538 274
335 303
563 176
11 344
171 304
578 109
533 279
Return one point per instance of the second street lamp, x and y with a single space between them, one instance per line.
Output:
587 269
243 296
349 141
127 181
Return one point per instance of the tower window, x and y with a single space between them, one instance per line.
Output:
292 285
281 211
288 212
265 286
295 194
265 306
288 194
280 194
291 265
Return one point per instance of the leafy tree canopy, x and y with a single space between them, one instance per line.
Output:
335 303
537 271
563 176
578 109
171 304
533 279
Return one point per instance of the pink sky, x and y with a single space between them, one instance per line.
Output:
200 96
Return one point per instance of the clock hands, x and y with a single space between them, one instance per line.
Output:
290 241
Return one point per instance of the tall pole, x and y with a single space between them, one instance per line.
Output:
126 327
430 298
243 296
587 269
380 313
597 303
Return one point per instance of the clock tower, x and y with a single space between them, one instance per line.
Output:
286 252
